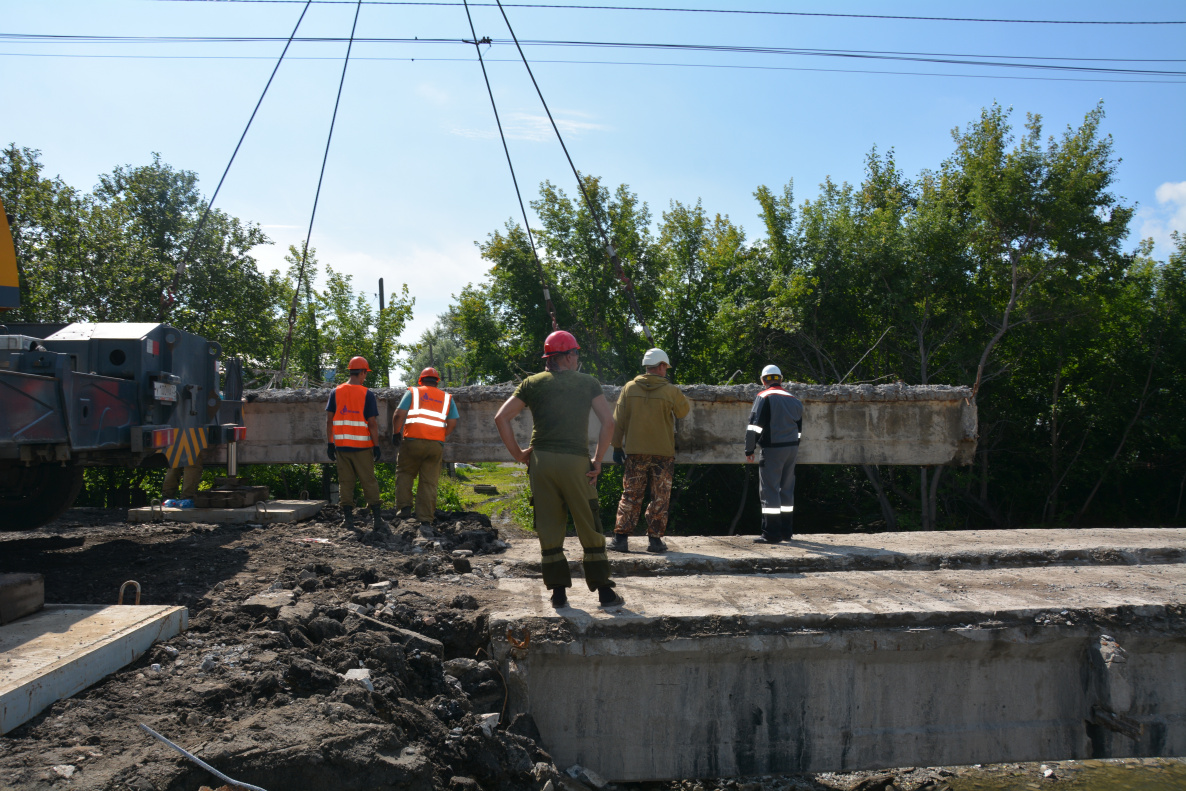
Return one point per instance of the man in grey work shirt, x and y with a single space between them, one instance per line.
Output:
775 423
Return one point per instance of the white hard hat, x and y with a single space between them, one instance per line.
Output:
654 357
771 370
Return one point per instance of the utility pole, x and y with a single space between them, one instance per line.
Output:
381 305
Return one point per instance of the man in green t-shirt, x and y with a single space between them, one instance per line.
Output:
563 477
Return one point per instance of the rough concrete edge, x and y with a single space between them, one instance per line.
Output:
1087 621
891 393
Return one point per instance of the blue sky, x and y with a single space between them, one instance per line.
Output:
416 173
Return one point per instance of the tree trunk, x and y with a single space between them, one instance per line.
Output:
887 509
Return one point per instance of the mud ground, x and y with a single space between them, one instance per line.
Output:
281 615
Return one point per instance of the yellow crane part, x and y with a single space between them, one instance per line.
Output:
10 286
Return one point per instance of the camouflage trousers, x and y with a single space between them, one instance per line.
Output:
640 469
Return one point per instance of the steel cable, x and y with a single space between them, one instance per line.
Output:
518 195
296 294
615 261
167 300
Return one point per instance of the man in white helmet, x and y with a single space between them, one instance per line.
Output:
775 423
644 441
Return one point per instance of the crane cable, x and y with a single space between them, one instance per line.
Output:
628 284
167 299
296 294
518 195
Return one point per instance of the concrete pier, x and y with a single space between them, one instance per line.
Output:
842 424
857 652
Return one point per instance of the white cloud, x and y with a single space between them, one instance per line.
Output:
1168 216
535 127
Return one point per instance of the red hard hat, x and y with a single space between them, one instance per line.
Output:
430 373
358 364
559 342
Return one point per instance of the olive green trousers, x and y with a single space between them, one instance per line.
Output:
559 487
418 458
357 466
187 477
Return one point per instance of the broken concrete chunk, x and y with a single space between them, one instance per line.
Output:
586 776
64 770
301 612
406 637
20 595
463 553
383 586
369 598
268 602
362 675
488 723
459 668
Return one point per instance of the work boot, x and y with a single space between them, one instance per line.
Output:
765 540
607 598
559 598
656 545
404 513
621 543
379 523
788 527
348 516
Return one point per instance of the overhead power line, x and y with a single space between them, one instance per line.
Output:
738 11
994 61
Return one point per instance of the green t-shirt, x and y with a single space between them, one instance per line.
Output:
559 404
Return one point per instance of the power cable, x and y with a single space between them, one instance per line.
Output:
316 196
167 300
616 262
670 9
518 195
997 61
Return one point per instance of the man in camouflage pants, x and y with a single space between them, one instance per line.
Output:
644 438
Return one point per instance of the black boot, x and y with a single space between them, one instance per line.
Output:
405 512
621 543
771 528
559 598
656 545
607 598
788 526
379 523
348 516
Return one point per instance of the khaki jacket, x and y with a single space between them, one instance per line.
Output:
645 415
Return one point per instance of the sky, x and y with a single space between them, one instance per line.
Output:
416 175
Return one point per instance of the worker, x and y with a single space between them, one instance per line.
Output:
644 441
187 478
426 416
352 430
563 477
775 423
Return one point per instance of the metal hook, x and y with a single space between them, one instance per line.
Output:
125 585
261 510
156 511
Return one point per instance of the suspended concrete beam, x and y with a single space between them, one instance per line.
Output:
842 424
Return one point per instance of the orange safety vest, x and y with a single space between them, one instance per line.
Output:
350 427
430 410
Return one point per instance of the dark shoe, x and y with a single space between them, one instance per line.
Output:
764 540
656 545
405 512
621 543
348 516
559 598
607 598
379 523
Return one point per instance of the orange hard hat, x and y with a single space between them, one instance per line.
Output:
429 373
358 364
559 342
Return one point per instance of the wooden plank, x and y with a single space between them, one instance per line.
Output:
20 595
260 513
65 648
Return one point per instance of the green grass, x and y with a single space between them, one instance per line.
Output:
509 480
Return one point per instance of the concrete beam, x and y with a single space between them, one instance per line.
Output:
65 648
854 424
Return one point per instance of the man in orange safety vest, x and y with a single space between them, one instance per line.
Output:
426 415
352 429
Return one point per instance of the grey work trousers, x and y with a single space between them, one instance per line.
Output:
776 476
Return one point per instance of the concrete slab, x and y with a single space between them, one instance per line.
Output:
20 595
260 513
840 552
65 648
848 598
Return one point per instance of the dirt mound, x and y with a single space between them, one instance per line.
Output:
316 658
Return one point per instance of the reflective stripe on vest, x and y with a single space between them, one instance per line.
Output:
350 427
424 420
